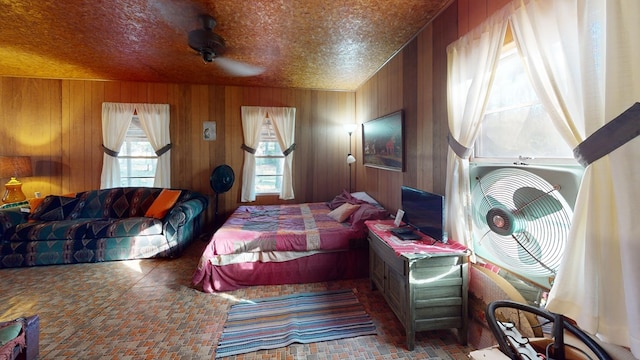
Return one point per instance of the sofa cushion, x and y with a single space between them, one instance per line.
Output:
54 207
49 230
78 229
163 203
107 228
115 203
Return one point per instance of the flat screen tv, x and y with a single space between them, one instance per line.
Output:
424 211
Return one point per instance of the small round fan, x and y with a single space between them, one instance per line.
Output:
520 219
221 181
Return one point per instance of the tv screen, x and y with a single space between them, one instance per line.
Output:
424 211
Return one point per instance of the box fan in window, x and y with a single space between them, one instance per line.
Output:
522 217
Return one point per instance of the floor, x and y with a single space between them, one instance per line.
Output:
146 309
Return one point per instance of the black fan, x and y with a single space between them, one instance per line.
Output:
221 181
211 46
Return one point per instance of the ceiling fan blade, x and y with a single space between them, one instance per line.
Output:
533 203
237 68
179 15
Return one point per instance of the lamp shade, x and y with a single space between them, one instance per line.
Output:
350 159
15 166
350 128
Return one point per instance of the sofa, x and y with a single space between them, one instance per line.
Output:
101 225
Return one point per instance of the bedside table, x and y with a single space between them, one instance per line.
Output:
425 285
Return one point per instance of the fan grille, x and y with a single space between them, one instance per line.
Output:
520 219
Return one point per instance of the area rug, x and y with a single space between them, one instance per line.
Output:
273 323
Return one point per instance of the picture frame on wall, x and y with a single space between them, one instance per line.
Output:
383 142
209 131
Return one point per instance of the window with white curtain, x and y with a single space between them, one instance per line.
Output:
269 162
138 161
516 125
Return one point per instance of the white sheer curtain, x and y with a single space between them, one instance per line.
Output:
252 118
116 118
154 119
583 63
471 63
284 123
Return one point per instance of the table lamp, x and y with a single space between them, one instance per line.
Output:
13 167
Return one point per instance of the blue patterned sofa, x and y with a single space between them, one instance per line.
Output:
101 225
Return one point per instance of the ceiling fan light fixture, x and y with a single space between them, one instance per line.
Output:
211 47
208 56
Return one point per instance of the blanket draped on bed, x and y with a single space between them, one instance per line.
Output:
300 227
272 234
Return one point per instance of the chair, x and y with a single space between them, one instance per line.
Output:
559 345
23 344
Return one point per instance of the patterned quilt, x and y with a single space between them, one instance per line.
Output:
291 227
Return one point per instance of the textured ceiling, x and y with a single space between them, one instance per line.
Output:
330 45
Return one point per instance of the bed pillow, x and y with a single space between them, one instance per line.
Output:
343 198
367 212
361 195
163 203
343 212
54 208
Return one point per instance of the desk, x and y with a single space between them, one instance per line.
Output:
425 285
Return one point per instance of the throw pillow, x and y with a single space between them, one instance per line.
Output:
342 212
163 203
54 208
35 202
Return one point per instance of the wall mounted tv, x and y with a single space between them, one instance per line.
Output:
424 211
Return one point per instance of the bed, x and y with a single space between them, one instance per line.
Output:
289 244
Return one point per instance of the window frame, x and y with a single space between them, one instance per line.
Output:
129 139
509 49
267 135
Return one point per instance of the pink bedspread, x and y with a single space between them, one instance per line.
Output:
298 227
281 244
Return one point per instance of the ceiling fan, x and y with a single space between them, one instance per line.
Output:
211 46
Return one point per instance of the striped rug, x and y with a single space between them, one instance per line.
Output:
303 318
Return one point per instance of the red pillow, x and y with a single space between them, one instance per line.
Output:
367 212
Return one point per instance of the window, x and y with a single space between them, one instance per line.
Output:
137 158
269 161
515 123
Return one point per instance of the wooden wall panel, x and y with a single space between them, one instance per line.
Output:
58 122
423 61
424 130
472 12
409 87
26 128
443 35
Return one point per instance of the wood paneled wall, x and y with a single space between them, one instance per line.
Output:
58 123
415 80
